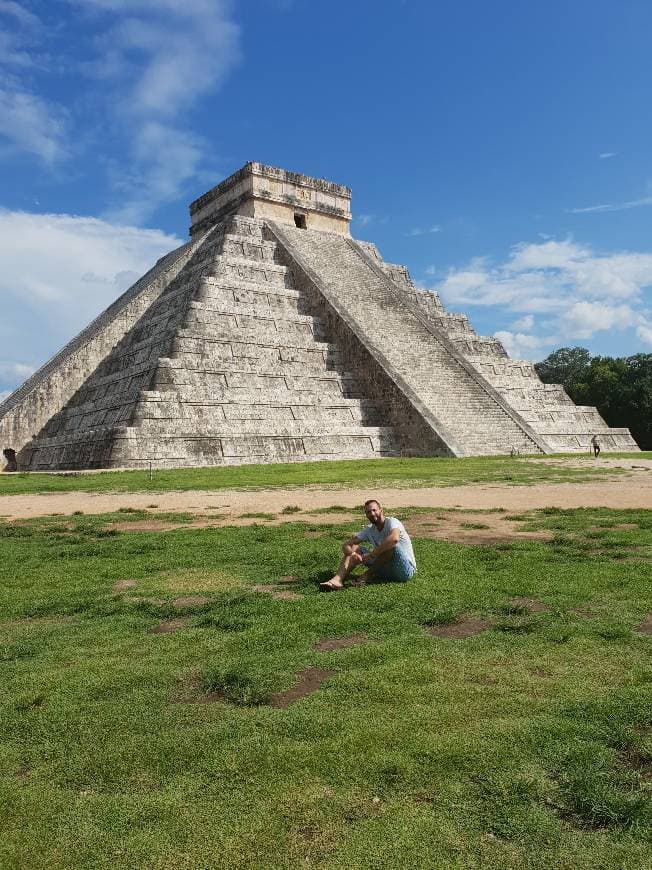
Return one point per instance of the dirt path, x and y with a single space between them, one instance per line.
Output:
631 491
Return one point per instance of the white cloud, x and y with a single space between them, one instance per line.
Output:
644 332
158 58
524 346
21 15
365 220
32 124
614 206
582 319
28 122
427 232
11 369
165 159
606 155
526 322
581 292
60 271
172 52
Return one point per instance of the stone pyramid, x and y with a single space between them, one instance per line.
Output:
273 336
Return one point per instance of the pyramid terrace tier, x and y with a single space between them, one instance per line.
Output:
127 447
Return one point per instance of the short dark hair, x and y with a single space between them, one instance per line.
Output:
372 501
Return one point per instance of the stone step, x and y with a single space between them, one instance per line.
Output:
191 370
248 248
234 386
206 425
259 298
265 333
248 448
245 316
248 270
265 417
303 403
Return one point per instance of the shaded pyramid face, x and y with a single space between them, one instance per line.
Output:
273 337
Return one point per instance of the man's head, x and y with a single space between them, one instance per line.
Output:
374 511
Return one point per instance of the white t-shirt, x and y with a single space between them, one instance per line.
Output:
371 533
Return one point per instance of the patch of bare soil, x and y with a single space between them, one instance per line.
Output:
540 672
170 625
458 630
646 626
277 594
288 578
123 585
151 526
533 605
189 691
190 601
309 682
639 761
331 644
455 527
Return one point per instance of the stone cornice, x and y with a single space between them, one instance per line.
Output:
261 170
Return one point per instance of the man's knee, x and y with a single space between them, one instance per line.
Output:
348 549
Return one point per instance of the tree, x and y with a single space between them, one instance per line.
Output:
619 387
567 366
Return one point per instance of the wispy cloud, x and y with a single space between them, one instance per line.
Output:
151 62
156 59
420 232
29 123
18 13
365 220
606 155
574 290
33 125
614 206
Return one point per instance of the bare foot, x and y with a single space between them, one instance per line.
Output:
331 585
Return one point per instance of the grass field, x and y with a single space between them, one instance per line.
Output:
144 723
386 472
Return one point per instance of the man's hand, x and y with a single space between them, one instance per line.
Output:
357 559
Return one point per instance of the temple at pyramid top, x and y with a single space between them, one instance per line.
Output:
273 336
265 192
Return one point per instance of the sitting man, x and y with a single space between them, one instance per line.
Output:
392 556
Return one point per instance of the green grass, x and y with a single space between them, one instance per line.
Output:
527 746
385 472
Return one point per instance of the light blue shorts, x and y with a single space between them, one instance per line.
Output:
398 569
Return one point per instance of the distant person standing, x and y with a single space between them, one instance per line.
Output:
595 444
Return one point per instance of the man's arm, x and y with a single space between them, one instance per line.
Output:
388 544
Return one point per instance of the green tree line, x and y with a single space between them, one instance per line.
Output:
619 387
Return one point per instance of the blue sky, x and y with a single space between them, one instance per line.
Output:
500 150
